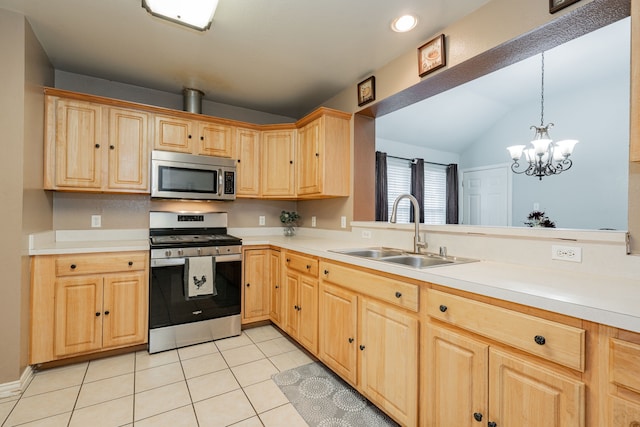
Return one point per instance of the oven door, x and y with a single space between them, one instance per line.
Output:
168 305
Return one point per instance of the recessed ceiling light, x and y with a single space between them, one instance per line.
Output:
196 14
404 23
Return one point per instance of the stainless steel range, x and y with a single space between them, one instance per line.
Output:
196 273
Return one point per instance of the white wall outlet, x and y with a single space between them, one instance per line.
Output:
96 221
536 206
366 234
566 253
261 220
343 222
313 221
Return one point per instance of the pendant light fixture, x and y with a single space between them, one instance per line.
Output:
196 14
543 156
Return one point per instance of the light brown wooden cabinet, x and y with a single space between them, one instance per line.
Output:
215 139
93 147
248 155
277 291
300 308
256 285
278 171
621 391
87 303
192 136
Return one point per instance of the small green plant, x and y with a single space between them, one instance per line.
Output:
289 218
539 219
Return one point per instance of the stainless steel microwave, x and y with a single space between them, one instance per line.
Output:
186 176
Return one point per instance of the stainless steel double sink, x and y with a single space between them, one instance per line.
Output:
398 256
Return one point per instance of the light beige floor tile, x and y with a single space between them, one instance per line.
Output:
158 376
254 372
61 420
104 390
251 422
233 342
108 414
276 346
214 384
181 417
43 405
56 379
203 365
110 367
224 410
265 396
5 409
290 360
283 416
263 333
144 360
197 350
161 399
241 355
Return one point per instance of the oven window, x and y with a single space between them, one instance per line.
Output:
168 305
187 180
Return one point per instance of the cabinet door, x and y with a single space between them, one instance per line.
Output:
388 358
124 309
524 395
338 312
308 313
173 134
623 413
128 150
457 376
78 151
247 152
256 286
278 168
308 159
275 311
215 139
290 308
78 315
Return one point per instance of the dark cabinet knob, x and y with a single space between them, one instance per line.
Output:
202 138
290 162
97 314
248 284
112 147
350 340
296 307
361 347
130 263
317 155
277 287
443 308
189 136
326 272
477 416
398 294
73 266
106 313
308 267
491 424
97 145
238 160
288 260
539 339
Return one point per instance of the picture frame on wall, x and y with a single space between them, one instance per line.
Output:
431 56
556 5
367 91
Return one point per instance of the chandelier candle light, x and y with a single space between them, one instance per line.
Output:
544 157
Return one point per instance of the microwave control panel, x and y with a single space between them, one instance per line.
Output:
229 182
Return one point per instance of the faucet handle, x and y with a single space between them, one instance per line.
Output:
443 251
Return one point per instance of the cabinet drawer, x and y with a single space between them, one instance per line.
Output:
624 413
553 341
301 263
624 364
71 265
383 288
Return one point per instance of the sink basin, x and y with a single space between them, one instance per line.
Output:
371 252
417 261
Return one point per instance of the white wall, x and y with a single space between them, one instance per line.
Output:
399 149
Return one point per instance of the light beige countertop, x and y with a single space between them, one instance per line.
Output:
88 241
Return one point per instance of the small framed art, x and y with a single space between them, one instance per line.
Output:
367 91
431 56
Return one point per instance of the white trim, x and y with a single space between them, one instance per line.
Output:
15 388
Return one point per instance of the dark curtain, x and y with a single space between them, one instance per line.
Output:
417 187
382 210
452 194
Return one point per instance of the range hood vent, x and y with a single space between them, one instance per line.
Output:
192 100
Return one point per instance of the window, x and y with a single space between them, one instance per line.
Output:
435 190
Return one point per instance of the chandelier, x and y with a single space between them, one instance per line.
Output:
543 157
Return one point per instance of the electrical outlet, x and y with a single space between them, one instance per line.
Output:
96 221
566 253
261 220
313 221
366 234
343 222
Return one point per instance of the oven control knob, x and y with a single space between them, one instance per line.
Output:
180 252
167 253
217 251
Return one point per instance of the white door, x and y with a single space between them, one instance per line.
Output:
486 196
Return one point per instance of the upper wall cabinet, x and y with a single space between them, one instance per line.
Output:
193 136
94 147
278 169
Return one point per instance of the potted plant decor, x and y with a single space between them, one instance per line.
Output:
289 221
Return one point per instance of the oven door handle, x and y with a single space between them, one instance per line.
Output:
168 262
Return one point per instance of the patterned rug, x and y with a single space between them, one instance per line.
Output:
325 400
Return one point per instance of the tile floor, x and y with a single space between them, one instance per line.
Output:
222 383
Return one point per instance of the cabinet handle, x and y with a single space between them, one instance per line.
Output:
539 339
308 267
491 424
189 136
288 260
130 263
73 266
106 313
290 162
277 287
296 307
350 340
202 138
97 145
97 314
326 272
238 160
477 416
112 147
248 284
443 308
398 294
361 347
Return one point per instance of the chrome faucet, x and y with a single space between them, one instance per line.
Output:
417 243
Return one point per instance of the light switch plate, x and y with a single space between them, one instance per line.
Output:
261 220
343 222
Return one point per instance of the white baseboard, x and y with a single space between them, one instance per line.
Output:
15 388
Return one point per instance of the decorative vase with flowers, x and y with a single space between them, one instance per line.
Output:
289 221
539 219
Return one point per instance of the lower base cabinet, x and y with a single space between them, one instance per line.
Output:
519 393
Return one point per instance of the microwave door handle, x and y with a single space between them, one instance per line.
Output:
220 182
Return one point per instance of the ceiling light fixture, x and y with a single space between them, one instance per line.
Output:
196 14
544 157
404 23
